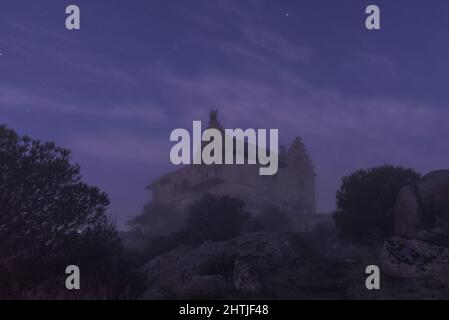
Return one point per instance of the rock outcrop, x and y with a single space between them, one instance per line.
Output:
423 206
218 269
412 258
420 247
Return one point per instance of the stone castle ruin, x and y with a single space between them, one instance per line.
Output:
291 189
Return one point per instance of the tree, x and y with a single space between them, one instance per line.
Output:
216 218
47 214
365 202
157 219
273 218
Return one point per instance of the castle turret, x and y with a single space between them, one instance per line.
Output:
299 161
297 156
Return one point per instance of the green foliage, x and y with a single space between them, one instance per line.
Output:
365 202
49 218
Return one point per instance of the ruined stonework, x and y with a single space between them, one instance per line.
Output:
292 188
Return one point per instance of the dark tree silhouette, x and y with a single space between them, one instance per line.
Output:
157 219
48 216
365 202
273 218
216 218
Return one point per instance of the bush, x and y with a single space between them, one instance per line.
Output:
365 202
157 219
272 218
216 218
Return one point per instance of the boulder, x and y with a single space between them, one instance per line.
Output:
422 209
218 269
411 258
407 212
433 191
420 247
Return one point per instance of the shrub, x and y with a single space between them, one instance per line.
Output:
273 218
157 219
216 218
365 202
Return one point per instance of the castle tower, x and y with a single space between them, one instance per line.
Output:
299 160
299 156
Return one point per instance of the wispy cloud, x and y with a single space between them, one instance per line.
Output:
14 98
118 146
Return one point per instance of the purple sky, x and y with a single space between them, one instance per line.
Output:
113 91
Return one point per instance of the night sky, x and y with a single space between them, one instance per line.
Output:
113 91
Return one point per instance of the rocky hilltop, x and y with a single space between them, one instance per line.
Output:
313 263
218 269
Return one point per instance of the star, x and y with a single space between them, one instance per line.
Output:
286 14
